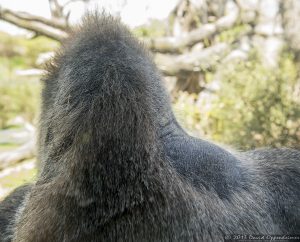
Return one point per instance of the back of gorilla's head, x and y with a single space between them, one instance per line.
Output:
103 174
101 57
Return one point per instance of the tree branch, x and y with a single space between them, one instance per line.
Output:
13 157
36 24
196 61
177 44
27 16
56 9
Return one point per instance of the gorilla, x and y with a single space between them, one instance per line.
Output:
117 166
8 208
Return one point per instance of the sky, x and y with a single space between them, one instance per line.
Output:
132 12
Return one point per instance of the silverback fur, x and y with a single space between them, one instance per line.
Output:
116 165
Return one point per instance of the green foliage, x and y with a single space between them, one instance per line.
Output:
187 112
8 146
19 97
255 106
154 28
233 33
37 46
23 52
17 177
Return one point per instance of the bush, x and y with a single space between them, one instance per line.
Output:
255 106
154 28
19 95
24 52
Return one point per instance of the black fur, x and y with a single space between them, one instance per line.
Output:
116 166
8 209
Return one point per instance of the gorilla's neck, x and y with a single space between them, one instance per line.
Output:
194 163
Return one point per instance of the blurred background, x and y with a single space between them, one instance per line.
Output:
231 68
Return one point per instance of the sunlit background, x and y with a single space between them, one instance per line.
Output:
231 68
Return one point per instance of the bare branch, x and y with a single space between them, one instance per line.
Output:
27 16
40 27
191 62
57 11
12 157
177 44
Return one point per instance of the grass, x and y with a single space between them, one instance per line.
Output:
18 178
8 146
17 175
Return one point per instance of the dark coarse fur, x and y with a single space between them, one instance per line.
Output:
8 208
116 166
